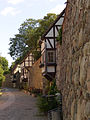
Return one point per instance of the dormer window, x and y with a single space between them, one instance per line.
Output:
51 56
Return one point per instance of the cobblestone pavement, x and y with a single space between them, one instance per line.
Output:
16 105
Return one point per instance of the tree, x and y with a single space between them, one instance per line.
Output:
4 64
19 45
46 22
29 34
2 77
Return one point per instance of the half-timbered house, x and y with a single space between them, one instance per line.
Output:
15 77
25 65
48 48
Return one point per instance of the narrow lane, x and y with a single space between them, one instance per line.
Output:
16 105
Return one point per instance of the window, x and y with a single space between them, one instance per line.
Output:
51 56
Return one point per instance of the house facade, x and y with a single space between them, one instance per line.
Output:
25 66
27 74
48 48
15 77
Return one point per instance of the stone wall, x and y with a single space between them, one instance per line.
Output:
73 61
36 80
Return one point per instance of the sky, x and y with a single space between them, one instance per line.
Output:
14 12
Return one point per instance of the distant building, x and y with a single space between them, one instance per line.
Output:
15 77
25 66
27 74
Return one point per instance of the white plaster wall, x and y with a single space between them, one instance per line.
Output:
50 69
50 33
60 21
51 41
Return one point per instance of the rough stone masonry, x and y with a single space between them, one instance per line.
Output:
73 61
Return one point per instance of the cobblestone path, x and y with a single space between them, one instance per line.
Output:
16 105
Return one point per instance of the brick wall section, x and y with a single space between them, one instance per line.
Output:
73 61
36 76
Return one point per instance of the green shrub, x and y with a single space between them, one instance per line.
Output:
42 104
45 104
2 77
49 101
53 88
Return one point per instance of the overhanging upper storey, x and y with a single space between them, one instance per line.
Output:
48 47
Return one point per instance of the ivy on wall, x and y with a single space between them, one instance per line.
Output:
59 37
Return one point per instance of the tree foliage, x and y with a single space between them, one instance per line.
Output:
29 34
4 64
2 77
59 37
3 69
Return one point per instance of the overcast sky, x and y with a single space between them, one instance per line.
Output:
15 12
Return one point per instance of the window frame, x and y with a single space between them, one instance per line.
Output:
51 56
